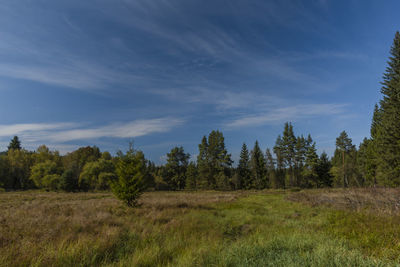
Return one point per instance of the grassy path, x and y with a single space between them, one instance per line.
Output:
188 229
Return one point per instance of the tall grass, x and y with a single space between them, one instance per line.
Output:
180 229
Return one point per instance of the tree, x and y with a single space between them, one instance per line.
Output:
366 162
131 176
323 171
344 162
258 168
243 169
270 168
191 176
96 175
15 144
386 125
214 163
280 163
19 165
175 169
288 151
68 181
310 168
46 175
203 165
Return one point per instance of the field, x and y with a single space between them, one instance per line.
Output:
357 227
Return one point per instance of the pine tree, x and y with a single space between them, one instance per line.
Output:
344 162
280 172
310 169
243 169
288 152
15 144
203 165
300 156
258 168
323 169
175 169
386 128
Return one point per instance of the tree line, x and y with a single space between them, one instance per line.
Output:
292 162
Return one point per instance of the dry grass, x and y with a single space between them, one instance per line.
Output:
376 200
38 227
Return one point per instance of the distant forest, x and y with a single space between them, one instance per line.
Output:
292 163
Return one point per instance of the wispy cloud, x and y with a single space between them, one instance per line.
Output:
291 113
59 133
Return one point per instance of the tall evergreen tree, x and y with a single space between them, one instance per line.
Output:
280 172
344 162
243 169
258 168
203 165
387 128
310 169
175 169
270 168
288 152
323 169
15 144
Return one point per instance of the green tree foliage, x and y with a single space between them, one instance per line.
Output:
243 178
19 163
214 163
203 165
288 151
271 172
280 172
132 176
366 162
344 162
76 160
310 173
15 144
258 168
386 123
191 176
175 169
323 170
96 175
68 181
46 175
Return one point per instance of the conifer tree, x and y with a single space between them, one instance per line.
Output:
203 164
15 144
258 168
386 123
288 152
270 168
175 169
310 169
280 172
323 170
344 162
243 169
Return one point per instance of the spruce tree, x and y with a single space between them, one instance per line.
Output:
288 152
280 172
258 168
310 169
323 169
387 128
15 144
243 169
270 167
203 165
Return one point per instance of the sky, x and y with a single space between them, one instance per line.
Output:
164 73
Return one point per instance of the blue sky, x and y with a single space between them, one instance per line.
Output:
165 73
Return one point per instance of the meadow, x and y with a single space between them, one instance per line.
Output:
353 227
